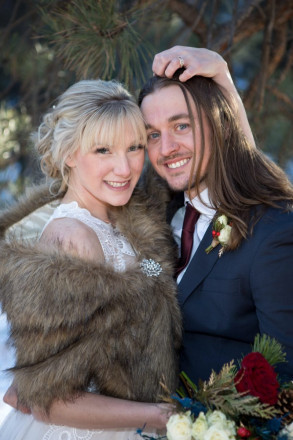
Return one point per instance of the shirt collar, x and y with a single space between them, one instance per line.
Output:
208 211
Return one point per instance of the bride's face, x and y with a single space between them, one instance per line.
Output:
106 175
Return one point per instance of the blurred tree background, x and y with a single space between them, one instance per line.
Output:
46 45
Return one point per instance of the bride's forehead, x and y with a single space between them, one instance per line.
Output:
120 134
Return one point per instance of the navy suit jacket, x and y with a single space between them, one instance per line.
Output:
226 301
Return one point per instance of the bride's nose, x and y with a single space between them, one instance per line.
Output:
122 166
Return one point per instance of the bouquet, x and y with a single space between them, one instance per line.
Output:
246 402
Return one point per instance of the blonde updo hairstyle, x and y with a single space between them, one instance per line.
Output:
89 113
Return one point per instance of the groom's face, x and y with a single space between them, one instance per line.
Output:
171 144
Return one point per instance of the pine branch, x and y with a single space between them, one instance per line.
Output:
190 386
270 348
96 39
220 393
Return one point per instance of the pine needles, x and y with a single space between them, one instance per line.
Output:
270 348
97 39
220 392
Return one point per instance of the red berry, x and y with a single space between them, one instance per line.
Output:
243 432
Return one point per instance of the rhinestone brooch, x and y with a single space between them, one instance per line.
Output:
150 267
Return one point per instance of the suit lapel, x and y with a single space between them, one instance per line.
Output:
199 267
176 202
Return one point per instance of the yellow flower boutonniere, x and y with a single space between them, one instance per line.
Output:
221 234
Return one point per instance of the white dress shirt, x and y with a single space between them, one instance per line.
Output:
206 215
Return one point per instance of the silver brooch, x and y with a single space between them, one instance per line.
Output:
150 267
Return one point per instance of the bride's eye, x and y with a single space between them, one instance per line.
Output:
102 150
136 147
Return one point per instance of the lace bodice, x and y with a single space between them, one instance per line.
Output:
117 250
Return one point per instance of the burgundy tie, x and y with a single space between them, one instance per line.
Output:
190 218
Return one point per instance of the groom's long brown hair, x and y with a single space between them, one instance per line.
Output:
239 176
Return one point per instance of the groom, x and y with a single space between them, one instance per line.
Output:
209 160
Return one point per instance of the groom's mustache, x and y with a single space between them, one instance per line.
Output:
165 159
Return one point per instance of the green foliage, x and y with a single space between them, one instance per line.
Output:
219 392
13 125
270 348
97 39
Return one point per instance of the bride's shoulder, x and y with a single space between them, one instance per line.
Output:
73 237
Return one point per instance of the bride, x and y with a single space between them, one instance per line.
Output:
92 303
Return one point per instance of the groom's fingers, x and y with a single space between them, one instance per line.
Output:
190 69
175 64
196 61
166 67
160 64
167 62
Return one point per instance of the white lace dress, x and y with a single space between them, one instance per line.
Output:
119 253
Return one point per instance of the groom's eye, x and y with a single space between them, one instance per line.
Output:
182 126
153 136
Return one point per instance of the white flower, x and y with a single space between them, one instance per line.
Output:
179 427
225 235
223 220
219 421
199 427
216 433
287 431
290 428
221 234
216 418
231 426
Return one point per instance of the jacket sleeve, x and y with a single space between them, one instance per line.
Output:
272 287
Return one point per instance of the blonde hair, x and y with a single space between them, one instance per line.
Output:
91 112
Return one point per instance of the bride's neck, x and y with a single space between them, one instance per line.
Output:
96 208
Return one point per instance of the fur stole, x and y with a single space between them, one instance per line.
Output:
77 324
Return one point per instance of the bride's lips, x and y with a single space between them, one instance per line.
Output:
118 186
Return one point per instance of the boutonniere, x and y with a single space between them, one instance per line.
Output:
221 234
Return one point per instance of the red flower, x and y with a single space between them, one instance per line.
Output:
258 378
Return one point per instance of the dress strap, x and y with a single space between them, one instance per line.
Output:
116 248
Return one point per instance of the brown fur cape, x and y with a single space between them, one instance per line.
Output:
76 324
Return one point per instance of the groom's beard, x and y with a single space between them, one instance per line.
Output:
192 187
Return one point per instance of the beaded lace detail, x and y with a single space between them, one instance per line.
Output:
117 250
62 432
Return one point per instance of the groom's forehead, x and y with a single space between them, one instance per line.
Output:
173 118
167 104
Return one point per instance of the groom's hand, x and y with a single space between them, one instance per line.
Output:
196 61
